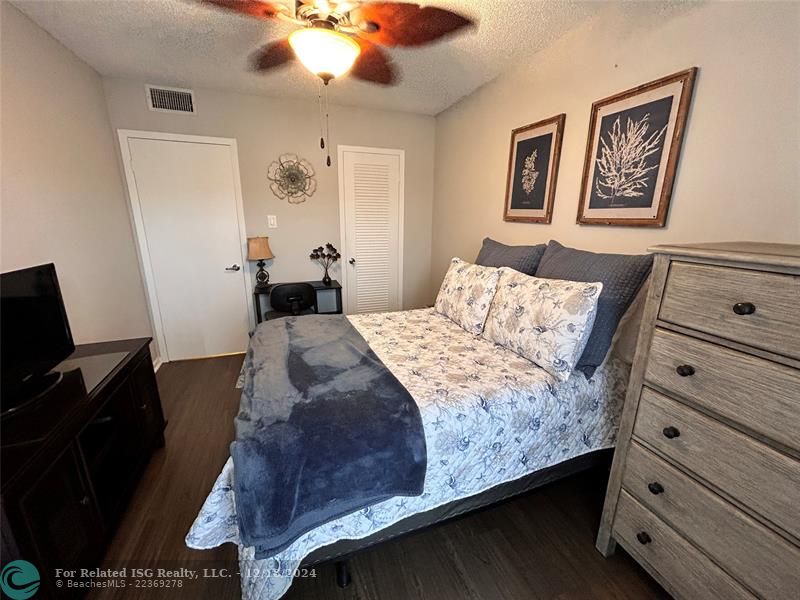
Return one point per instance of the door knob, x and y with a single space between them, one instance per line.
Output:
233 268
352 261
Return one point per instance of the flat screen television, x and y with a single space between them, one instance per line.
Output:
34 333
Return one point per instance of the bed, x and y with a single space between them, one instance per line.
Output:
495 425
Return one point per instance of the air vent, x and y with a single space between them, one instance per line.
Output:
173 100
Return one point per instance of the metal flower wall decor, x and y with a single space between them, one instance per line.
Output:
292 178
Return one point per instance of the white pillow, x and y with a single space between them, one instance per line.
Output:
466 294
547 321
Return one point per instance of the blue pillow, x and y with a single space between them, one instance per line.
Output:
524 259
622 275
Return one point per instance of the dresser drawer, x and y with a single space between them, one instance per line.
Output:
703 297
687 571
750 472
756 556
757 393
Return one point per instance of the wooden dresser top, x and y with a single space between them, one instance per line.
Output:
761 253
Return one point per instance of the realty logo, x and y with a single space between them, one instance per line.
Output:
19 580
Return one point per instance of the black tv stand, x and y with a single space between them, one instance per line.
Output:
71 461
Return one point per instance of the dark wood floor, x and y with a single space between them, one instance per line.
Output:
536 546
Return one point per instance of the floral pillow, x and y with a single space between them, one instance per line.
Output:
466 294
547 321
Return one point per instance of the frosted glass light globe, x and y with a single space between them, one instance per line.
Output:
324 52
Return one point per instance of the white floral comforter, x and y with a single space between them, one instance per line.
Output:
489 417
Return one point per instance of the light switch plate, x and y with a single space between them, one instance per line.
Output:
272 221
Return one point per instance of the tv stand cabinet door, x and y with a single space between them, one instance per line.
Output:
148 405
118 442
111 445
61 520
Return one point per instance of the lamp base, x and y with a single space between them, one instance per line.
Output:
262 276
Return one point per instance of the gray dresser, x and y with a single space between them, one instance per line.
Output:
705 486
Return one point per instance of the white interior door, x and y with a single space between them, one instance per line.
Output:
371 207
186 203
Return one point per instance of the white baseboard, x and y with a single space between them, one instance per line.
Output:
157 362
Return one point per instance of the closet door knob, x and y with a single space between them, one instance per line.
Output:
685 370
671 432
655 488
643 537
352 261
744 308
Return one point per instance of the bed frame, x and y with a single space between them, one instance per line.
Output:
343 549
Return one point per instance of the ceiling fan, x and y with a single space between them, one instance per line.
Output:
339 37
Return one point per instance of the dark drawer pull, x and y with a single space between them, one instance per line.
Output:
685 370
670 432
655 488
643 537
744 308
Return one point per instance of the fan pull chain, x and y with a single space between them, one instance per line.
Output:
324 121
327 127
321 126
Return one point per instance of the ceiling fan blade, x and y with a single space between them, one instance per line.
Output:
251 8
373 65
401 24
272 55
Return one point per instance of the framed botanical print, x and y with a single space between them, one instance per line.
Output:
533 171
632 153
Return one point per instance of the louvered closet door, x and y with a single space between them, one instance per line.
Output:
371 190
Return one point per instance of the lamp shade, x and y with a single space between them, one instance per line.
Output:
258 248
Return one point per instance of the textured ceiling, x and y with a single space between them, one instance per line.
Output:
184 44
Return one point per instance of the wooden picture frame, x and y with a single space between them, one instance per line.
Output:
637 133
531 181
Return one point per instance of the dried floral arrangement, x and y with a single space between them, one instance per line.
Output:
292 178
325 256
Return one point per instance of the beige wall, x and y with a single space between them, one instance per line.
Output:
266 128
62 199
739 174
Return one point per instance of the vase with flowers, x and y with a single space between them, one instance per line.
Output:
325 256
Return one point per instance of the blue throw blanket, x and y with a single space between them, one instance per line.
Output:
324 429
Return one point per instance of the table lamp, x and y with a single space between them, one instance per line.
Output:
258 249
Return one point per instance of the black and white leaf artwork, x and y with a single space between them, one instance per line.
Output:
628 156
531 171
623 161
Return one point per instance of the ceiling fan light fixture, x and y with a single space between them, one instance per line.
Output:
325 52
